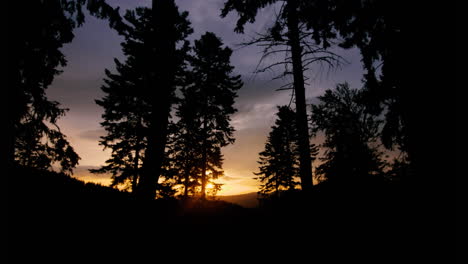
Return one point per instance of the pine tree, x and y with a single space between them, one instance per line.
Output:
216 89
185 154
165 60
279 162
204 112
125 120
37 30
287 35
183 149
127 105
125 108
377 29
351 136
40 143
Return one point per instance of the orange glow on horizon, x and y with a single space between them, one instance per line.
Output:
234 183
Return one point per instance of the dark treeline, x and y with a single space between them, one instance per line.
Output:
344 166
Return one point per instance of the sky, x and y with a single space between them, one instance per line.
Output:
96 45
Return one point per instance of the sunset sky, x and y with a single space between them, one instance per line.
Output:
95 46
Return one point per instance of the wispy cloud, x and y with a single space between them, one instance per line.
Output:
93 135
229 178
259 116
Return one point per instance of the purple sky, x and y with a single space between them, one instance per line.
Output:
95 46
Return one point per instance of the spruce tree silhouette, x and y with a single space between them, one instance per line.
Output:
184 147
288 34
351 136
170 28
36 33
204 112
126 108
130 97
279 162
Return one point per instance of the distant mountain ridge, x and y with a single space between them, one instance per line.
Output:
248 200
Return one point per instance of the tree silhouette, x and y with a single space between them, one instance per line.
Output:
166 66
287 35
185 144
279 162
126 136
351 136
204 112
376 29
37 31
40 143
128 108
216 89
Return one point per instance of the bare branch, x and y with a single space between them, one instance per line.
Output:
292 98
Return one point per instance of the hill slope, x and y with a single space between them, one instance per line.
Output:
248 200
55 213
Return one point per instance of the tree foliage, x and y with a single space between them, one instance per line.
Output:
375 28
351 136
184 149
40 143
126 109
127 104
204 113
165 61
279 162
36 33
290 37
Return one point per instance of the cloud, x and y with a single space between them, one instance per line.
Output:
228 178
93 135
261 115
257 104
202 11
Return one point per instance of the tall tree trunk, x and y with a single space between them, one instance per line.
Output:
305 160
186 183
136 170
136 162
277 187
187 170
204 161
162 66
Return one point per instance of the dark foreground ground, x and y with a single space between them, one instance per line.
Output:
55 218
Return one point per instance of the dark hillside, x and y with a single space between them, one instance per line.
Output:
71 215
